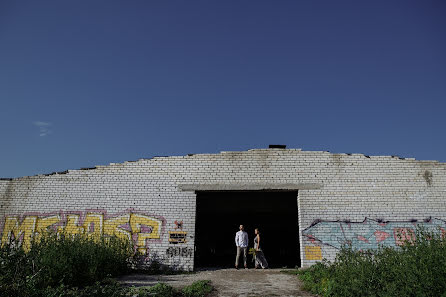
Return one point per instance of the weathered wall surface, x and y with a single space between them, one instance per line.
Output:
152 202
135 200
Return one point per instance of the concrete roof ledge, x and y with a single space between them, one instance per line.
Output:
250 187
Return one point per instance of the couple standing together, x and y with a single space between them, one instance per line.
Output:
241 241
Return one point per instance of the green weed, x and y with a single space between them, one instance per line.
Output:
60 260
197 289
62 265
418 268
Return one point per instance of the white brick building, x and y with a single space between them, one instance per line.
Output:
185 210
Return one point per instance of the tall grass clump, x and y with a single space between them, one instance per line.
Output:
417 268
61 259
17 273
76 260
199 288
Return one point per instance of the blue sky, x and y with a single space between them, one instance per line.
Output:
86 83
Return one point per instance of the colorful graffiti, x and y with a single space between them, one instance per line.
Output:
131 225
369 234
178 225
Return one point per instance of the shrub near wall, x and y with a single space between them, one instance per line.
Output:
77 266
80 260
60 259
415 269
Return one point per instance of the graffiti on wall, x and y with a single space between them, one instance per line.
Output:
313 253
178 225
135 226
369 234
179 252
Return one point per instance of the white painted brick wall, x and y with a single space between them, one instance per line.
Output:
352 187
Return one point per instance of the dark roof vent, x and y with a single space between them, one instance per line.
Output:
277 146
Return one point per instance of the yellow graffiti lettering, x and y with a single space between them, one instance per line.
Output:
111 227
13 228
136 223
133 227
93 224
43 224
72 226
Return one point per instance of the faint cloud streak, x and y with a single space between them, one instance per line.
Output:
44 128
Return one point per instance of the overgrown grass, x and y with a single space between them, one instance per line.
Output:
159 290
60 260
80 260
417 268
197 289
112 288
59 265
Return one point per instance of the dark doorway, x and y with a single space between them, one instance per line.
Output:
219 215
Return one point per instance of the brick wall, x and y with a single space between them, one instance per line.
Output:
152 201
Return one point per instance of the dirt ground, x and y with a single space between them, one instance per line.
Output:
229 282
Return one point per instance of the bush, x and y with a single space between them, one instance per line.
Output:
161 290
17 275
417 268
60 265
109 289
316 279
79 260
59 260
197 289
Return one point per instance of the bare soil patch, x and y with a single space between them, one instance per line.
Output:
230 282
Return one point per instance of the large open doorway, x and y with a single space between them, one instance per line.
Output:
219 215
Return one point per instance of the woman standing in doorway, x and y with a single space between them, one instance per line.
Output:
260 257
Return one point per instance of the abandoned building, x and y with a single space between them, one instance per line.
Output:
184 211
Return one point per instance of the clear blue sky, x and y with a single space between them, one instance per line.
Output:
86 83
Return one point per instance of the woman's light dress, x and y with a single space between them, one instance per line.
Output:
260 257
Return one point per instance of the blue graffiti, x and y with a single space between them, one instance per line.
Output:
369 234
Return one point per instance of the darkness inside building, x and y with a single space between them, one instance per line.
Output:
219 215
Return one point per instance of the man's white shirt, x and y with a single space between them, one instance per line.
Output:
241 239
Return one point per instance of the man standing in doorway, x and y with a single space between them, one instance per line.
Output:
241 241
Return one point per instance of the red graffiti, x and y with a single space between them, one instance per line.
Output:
362 238
381 236
403 235
178 224
311 238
